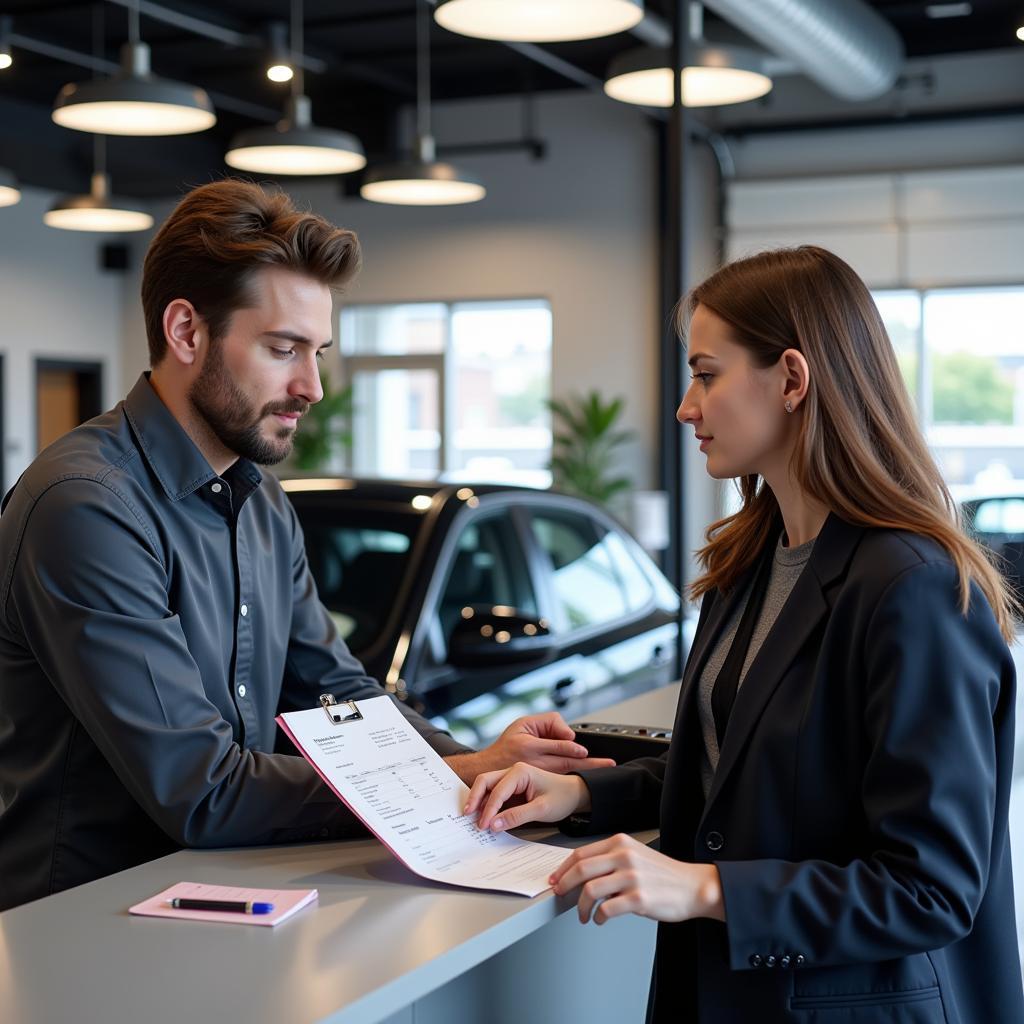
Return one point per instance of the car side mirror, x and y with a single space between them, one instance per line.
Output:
496 635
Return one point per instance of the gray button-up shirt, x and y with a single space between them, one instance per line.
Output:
154 618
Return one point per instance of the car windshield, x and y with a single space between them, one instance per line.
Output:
358 554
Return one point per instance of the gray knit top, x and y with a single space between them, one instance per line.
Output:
787 565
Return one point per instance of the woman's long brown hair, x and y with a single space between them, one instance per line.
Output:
860 451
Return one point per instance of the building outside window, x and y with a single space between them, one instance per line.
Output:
456 390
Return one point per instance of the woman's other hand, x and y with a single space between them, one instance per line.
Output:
620 875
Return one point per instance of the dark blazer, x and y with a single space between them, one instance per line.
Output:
858 816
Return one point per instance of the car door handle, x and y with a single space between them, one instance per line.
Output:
558 694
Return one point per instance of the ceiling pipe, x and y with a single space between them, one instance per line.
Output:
844 45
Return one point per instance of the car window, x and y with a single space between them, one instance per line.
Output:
584 578
488 568
358 568
636 585
1000 515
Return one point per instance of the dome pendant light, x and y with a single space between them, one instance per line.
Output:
295 145
423 181
538 21
716 75
134 102
9 191
96 211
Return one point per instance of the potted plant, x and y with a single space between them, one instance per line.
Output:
325 430
586 444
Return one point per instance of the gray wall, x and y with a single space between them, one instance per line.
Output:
55 303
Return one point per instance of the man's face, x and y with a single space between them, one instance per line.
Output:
263 374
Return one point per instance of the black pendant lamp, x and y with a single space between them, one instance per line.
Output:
295 145
423 181
134 101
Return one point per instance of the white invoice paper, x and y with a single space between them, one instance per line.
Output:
412 801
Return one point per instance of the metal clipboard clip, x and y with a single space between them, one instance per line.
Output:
346 711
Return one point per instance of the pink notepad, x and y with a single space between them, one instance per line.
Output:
286 902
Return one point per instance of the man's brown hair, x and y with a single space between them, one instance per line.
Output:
218 236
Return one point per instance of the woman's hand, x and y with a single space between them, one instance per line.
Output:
622 876
542 796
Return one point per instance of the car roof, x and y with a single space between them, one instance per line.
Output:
398 491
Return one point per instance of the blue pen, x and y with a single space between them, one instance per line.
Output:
231 906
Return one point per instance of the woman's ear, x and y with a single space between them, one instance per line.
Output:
183 331
796 378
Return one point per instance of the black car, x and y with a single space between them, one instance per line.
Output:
997 521
478 604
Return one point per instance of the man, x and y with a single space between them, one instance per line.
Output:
156 607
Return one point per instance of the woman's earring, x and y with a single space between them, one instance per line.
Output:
789 407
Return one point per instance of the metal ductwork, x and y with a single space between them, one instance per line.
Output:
844 45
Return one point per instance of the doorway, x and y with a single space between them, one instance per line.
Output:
67 394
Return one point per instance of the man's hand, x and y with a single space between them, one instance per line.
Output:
544 741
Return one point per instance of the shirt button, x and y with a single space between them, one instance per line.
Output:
714 841
756 960
244 609
216 488
241 690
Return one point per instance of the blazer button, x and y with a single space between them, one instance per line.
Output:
770 961
756 960
714 841
786 961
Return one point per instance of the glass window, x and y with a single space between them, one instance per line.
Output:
501 360
901 314
451 389
974 414
585 582
396 424
406 329
488 568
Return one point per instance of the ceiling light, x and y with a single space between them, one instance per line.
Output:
6 58
1020 33
96 211
134 102
422 181
718 75
9 191
280 69
280 73
295 145
538 21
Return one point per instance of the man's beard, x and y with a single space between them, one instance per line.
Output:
233 418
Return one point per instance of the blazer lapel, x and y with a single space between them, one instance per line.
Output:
806 606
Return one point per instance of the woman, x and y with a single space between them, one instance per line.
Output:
845 857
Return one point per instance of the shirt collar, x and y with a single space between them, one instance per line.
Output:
173 456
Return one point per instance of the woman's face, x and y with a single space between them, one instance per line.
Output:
737 410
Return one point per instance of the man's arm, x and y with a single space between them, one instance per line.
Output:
89 598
